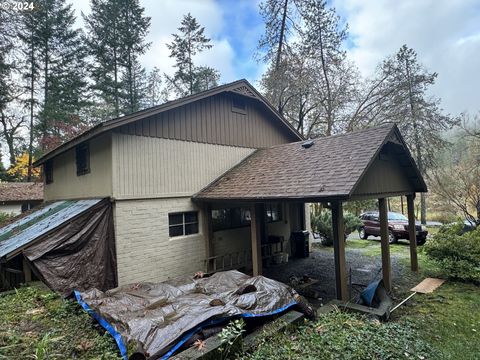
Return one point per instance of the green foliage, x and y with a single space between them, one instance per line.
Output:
5 217
322 224
347 336
116 32
189 78
39 324
457 254
229 336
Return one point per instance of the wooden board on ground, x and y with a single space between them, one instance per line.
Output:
427 286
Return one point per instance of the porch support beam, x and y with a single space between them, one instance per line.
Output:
383 214
208 234
339 251
412 232
256 213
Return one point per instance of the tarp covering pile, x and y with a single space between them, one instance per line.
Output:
159 317
79 254
70 244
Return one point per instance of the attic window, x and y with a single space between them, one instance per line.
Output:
48 171
82 158
238 105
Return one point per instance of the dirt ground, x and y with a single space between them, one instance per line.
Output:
364 265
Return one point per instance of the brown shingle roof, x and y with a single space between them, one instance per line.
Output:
331 167
20 191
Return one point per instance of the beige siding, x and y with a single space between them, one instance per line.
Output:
153 167
15 209
98 183
144 250
212 121
384 175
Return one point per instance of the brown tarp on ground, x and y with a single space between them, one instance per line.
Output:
79 254
159 317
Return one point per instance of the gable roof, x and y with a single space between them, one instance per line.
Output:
242 87
330 168
21 191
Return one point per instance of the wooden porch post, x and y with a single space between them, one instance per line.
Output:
208 233
256 214
382 205
339 251
27 272
412 232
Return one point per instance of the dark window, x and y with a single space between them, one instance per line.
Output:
231 218
183 223
273 212
48 170
82 157
238 105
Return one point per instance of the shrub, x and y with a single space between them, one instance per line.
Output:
456 253
5 218
322 224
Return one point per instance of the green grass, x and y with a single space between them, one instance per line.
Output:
38 324
441 325
338 335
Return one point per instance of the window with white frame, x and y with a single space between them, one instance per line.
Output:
183 223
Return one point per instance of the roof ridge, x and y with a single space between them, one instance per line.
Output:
355 132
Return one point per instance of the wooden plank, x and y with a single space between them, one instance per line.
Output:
428 285
256 238
412 232
383 214
339 251
27 272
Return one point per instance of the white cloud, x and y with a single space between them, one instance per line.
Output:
444 34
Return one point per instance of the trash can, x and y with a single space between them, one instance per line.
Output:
300 242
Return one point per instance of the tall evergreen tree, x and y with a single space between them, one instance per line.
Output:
10 90
188 78
54 59
154 87
134 25
116 38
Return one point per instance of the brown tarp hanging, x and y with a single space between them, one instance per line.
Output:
159 317
79 254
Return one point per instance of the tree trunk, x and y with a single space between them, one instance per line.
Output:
423 200
282 35
32 83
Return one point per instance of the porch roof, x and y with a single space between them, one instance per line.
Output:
330 168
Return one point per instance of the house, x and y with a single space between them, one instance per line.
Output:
211 181
17 197
152 162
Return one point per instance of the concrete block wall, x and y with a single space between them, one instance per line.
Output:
145 252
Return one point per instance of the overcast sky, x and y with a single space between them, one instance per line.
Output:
445 34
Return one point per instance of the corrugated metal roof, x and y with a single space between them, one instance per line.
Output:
25 230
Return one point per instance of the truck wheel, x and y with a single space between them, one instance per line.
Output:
392 239
363 235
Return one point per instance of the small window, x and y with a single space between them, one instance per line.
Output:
82 157
48 171
183 223
238 105
273 212
223 219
